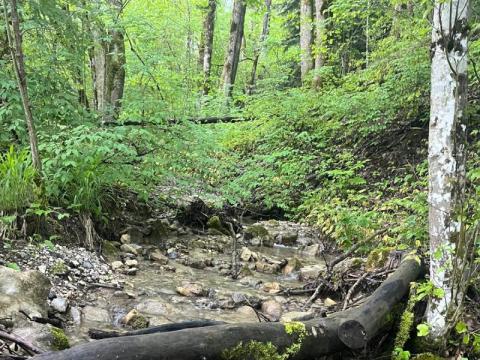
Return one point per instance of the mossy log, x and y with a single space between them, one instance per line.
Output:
352 328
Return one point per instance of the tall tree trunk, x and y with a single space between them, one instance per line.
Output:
108 68
258 49
207 48
306 59
447 160
15 41
319 35
233 53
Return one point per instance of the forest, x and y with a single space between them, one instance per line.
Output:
239 179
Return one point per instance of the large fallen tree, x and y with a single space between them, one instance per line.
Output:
352 328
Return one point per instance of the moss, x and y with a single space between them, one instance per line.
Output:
257 231
378 257
59 268
215 226
139 322
110 250
60 340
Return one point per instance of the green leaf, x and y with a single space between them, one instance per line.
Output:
422 330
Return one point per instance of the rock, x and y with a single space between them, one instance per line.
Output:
38 334
96 314
76 315
329 302
129 248
239 298
191 290
293 264
288 238
247 314
158 257
214 223
27 291
272 287
297 316
131 263
110 250
266 268
116 265
59 304
135 320
312 272
272 309
154 307
248 255
260 234
312 250
348 265
125 239
131 271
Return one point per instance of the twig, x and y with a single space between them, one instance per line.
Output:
105 286
352 289
30 348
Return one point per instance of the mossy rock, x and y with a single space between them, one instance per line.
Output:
60 340
59 268
215 226
378 257
256 231
110 251
139 322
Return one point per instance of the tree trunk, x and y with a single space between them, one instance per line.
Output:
306 59
108 69
233 53
447 159
15 41
207 44
319 35
258 49
347 329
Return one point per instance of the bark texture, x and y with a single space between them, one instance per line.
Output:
235 42
258 49
306 59
206 49
348 329
319 35
447 156
16 47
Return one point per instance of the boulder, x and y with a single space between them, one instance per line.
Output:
272 287
191 290
27 291
129 248
267 268
59 304
247 314
258 235
158 257
293 264
272 309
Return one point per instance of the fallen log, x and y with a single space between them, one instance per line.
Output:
352 328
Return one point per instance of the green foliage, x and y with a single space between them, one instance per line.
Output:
13 266
17 181
60 340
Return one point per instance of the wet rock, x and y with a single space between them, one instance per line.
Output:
96 314
158 257
131 263
312 250
239 298
116 265
135 320
59 304
272 309
247 314
76 315
267 268
129 248
248 255
258 235
297 316
191 290
312 272
288 238
293 264
27 291
38 334
272 287
153 307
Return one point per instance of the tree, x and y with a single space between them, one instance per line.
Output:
108 65
206 46
16 48
306 59
234 44
258 48
319 36
447 160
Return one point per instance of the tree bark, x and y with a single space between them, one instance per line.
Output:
306 59
348 329
206 50
446 155
258 49
16 47
235 42
319 36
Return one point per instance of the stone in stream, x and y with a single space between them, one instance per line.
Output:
272 287
246 254
239 298
272 309
129 248
76 315
96 314
312 272
288 238
293 264
191 290
154 308
27 291
247 314
267 268
59 304
135 320
158 257
312 250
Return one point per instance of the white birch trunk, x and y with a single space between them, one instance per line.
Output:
446 157
306 59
